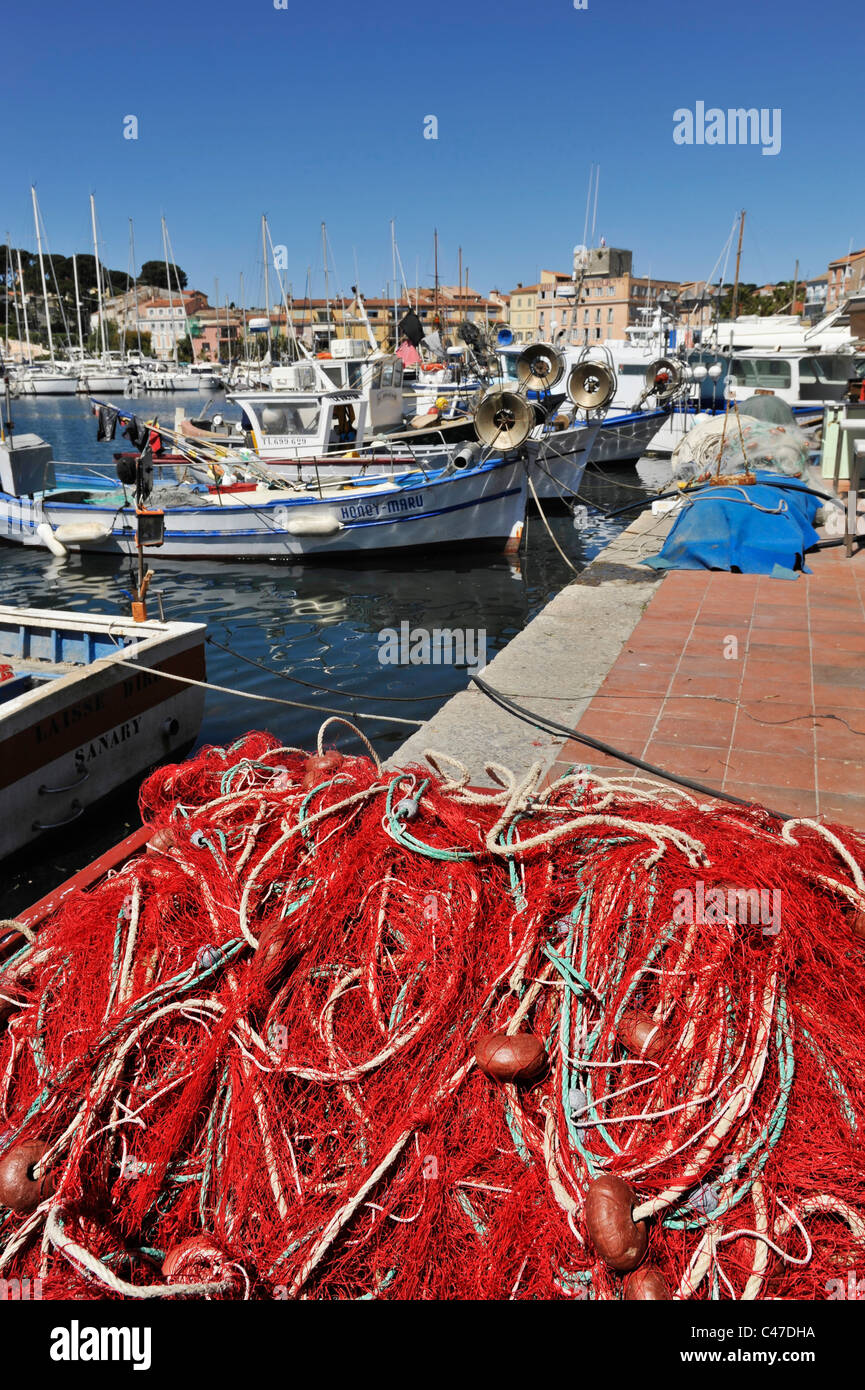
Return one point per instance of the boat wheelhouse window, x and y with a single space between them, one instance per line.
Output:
838 367
397 373
355 376
333 372
290 418
761 373
375 377
387 374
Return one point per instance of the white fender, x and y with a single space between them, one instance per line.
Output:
48 539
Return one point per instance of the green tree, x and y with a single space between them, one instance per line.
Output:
157 272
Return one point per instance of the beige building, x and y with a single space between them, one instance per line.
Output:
604 300
533 310
845 277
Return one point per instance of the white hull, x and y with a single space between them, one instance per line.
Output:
50 384
558 460
105 383
83 724
623 439
477 506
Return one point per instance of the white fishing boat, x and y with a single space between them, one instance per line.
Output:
479 505
83 709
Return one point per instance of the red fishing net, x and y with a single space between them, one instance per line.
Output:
244 1065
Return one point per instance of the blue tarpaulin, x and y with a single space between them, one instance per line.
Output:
749 530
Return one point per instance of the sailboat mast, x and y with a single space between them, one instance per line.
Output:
42 273
395 287
24 307
15 293
168 284
6 293
326 279
266 276
98 276
132 256
77 304
738 263
245 357
436 273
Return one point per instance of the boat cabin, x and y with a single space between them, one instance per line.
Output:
797 377
298 424
378 379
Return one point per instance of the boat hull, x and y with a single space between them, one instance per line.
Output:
626 438
54 385
86 727
106 383
558 461
477 506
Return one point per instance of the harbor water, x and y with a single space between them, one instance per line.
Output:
317 632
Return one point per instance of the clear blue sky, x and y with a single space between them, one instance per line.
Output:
316 112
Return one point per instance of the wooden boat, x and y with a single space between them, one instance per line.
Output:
83 709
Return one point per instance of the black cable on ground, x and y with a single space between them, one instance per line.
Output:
553 726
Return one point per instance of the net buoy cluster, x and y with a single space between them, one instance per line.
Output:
342 1033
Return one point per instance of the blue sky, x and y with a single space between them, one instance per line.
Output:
317 112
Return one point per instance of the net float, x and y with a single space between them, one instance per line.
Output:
620 1241
162 840
196 1260
514 1057
641 1035
646 1284
319 768
19 1188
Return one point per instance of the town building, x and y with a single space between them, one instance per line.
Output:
845 277
167 320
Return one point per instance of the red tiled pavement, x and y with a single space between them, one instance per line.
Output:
752 685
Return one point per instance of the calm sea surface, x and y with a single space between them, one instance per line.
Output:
319 624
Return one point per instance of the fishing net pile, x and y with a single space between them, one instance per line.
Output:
736 443
347 1033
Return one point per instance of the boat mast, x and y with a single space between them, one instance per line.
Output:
42 273
24 307
168 283
6 293
15 292
98 277
266 277
738 263
436 280
326 281
395 287
243 312
78 305
132 257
